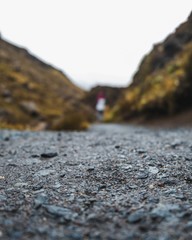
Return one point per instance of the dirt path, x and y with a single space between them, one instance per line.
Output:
112 182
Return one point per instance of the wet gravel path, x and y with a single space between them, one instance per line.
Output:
113 182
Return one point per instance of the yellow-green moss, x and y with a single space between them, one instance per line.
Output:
158 90
29 80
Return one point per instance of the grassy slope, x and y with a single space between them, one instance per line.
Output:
25 80
163 83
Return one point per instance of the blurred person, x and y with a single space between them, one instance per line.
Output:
100 106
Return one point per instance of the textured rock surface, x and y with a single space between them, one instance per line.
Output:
162 85
112 182
35 95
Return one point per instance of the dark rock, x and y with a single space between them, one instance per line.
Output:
153 200
59 136
169 182
11 165
62 174
49 155
141 151
37 187
12 152
180 196
171 47
90 169
71 164
101 187
7 138
188 179
117 146
35 156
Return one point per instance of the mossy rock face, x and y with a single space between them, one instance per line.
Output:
32 92
163 83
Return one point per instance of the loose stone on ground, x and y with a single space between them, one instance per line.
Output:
112 182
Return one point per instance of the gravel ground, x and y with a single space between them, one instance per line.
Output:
112 182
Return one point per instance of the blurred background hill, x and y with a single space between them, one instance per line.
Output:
162 86
35 95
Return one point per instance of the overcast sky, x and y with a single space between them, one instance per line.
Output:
92 41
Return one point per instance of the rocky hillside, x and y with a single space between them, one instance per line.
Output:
36 95
163 83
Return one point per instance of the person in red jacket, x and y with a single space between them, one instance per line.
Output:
100 105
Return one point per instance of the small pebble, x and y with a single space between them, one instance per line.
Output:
49 155
136 216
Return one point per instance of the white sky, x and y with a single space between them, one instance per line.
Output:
92 41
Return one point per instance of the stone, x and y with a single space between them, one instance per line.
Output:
164 211
3 198
127 167
141 151
40 199
101 187
133 186
136 216
62 174
32 161
49 155
117 146
91 168
153 170
21 184
92 217
65 213
169 182
35 156
188 226
37 187
11 165
43 173
142 175
62 197
30 107
6 93
57 185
